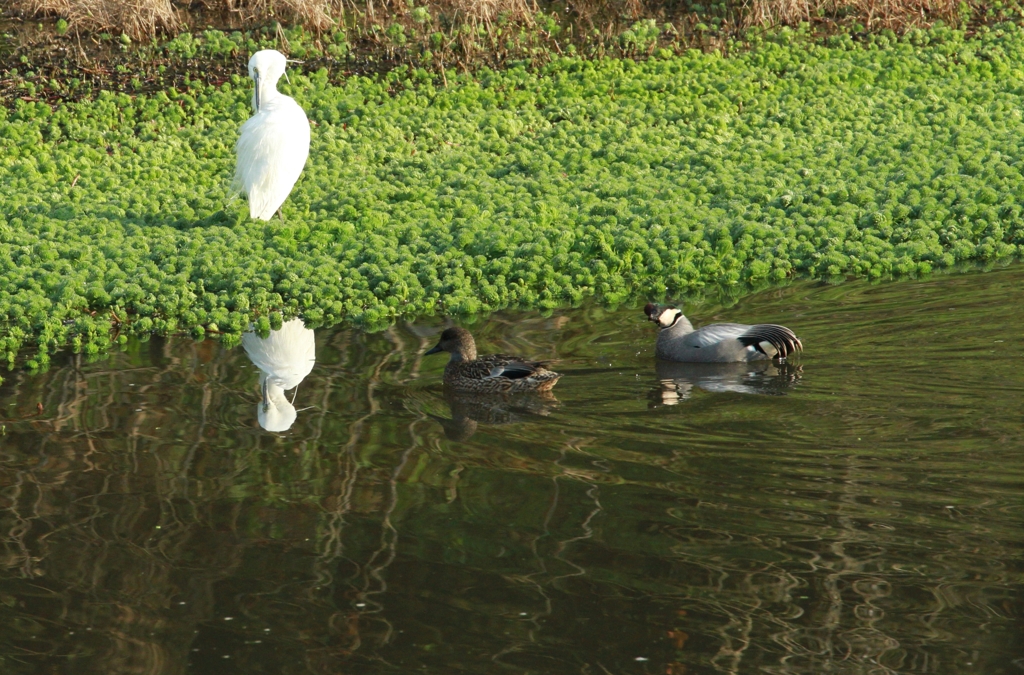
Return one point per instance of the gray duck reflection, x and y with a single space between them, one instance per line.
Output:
284 358
471 410
678 380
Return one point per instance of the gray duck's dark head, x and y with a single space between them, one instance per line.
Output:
458 342
663 316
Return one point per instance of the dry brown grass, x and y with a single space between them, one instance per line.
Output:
487 11
319 13
136 18
141 19
875 14
315 14
469 11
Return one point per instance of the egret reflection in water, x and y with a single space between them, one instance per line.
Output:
678 380
284 358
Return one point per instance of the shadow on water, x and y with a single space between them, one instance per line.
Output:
856 511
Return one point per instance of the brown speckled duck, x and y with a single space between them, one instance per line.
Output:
718 342
489 374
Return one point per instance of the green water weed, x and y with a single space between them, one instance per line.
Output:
526 187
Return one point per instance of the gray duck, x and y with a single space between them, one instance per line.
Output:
718 342
497 373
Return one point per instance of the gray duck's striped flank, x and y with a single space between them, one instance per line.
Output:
497 373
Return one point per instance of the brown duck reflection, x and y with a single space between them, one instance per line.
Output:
469 410
678 380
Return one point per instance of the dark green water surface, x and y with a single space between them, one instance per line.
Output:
859 511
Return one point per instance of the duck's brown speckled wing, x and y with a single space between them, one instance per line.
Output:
499 373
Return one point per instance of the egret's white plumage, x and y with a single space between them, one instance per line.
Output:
284 358
274 143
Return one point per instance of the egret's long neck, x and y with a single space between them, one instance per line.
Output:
274 412
273 395
265 92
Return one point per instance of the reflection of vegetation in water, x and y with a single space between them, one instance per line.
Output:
723 535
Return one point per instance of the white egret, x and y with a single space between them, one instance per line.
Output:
284 358
274 143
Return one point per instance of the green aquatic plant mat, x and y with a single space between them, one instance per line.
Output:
610 178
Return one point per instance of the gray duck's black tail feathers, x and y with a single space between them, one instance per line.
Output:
783 339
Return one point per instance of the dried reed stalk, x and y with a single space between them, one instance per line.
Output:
874 13
141 19
315 14
138 19
487 11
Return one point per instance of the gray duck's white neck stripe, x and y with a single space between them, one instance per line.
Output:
679 315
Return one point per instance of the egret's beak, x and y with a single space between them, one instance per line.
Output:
256 79
435 350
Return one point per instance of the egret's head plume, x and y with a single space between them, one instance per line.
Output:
269 63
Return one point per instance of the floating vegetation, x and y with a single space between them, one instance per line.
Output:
586 178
